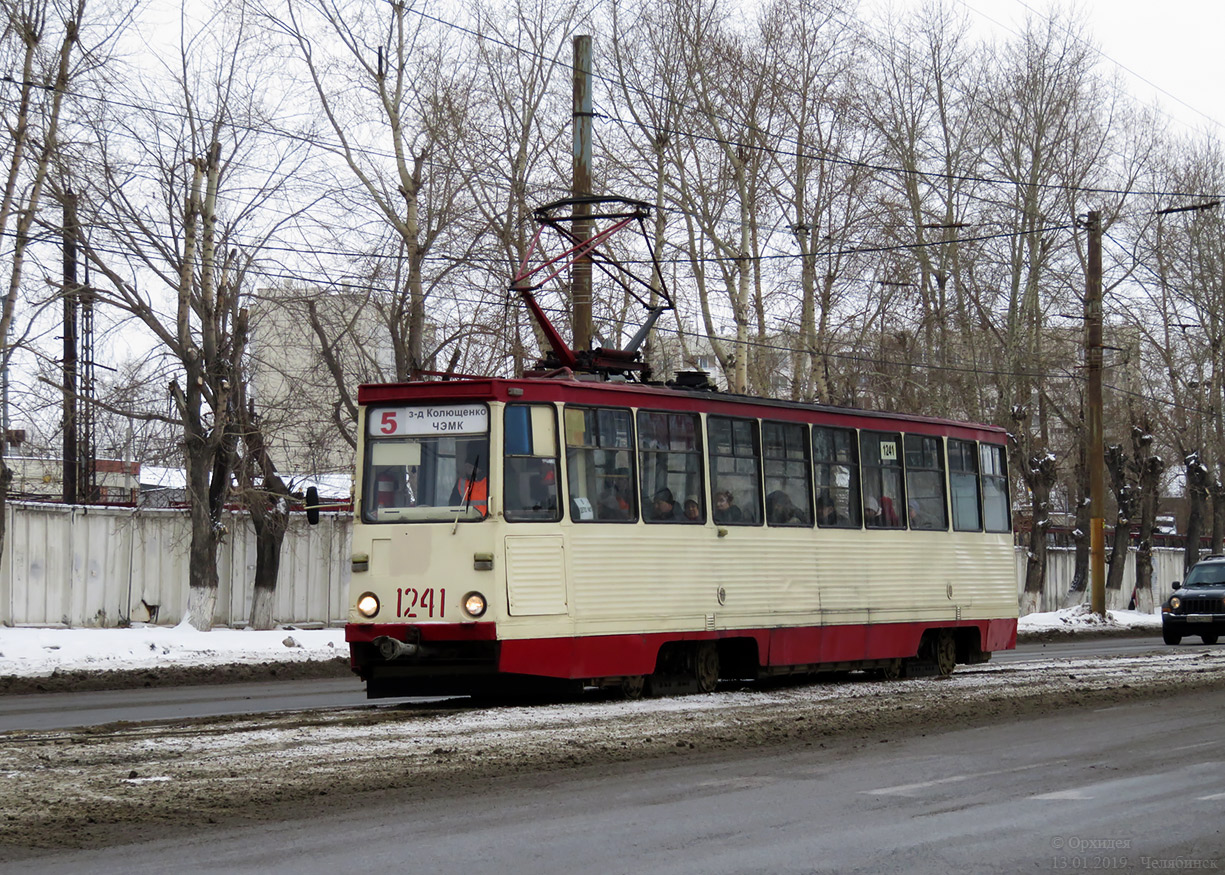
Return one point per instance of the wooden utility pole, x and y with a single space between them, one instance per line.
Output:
1093 416
580 273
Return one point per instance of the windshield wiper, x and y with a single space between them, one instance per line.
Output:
467 495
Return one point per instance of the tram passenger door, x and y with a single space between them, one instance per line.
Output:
535 575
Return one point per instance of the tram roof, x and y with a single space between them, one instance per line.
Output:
644 395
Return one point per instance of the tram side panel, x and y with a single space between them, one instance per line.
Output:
806 596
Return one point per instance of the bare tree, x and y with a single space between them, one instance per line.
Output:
823 184
388 81
178 214
40 54
927 102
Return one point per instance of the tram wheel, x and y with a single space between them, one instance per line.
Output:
632 686
1209 639
706 667
945 650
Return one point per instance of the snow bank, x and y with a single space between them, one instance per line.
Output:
1081 618
40 652
30 652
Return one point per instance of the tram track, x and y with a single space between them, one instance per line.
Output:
103 784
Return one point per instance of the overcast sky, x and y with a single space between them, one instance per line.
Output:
1168 50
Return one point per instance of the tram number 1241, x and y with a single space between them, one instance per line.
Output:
411 600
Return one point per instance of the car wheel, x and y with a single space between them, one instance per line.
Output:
1170 637
1208 639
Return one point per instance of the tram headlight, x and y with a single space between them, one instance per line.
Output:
1175 603
474 604
368 604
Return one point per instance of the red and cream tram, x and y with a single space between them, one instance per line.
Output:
563 530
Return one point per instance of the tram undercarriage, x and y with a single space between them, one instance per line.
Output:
680 667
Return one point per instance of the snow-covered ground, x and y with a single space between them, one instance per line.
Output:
29 652
1082 619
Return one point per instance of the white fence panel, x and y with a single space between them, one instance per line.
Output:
1061 569
78 566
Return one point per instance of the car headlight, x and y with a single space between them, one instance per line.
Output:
1175 603
368 604
474 604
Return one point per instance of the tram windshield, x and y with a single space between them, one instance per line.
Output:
426 463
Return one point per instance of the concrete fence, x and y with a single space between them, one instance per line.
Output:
91 566
1061 567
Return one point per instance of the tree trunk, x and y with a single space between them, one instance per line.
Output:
1125 497
1041 479
202 566
1039 470
1150 470
1217 492
6 480
270 517
1197 491
1080 534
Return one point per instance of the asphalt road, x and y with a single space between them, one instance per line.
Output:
1133 787
71 710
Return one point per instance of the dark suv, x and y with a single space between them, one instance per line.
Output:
1197 606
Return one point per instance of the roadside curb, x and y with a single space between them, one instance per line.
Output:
177 676
1046 636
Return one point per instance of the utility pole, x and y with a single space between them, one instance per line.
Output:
70 291
1093 416
580 272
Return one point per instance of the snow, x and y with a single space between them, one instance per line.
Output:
41 652
1082 618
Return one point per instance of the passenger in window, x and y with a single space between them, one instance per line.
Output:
871 512
827 514
725 508
781 510
693 510
664 505
888 514
472 487
612 503
915 515
385 489
543 491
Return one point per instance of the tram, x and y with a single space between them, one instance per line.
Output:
567 529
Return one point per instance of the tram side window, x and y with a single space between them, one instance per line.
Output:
963 480
670 459
835 459
883 496
995 489
788 481
530 467
925 505
600 464
735 471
